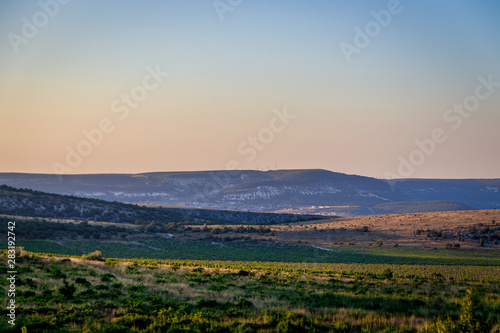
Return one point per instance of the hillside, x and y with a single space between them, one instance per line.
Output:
297 190
460 237
475 229
39 204
242 190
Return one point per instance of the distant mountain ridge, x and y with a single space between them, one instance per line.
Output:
262 190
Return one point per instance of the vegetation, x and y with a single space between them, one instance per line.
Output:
212 242
96 255
42 229
252 250
27 202
75 295
193 277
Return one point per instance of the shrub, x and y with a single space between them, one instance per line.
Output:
96 255
82 281
134 320
108 277
198 270
67 290
471 320
387 273
56 273
209 303
111 262
471 317
242 272
244 303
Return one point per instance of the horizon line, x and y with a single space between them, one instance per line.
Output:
240 170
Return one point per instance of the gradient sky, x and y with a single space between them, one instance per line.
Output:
227 76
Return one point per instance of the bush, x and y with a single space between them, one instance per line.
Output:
472 318
134 320
67 290
387 273
244 303
108 277
96 255
83 282
242 272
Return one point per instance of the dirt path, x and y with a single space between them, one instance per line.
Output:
323 248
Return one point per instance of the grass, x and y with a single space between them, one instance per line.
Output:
159 248
252 281
148 295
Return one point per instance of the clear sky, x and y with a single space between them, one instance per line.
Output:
347 86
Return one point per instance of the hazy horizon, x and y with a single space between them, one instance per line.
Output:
225 170
385 89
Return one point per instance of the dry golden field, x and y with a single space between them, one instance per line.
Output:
454 229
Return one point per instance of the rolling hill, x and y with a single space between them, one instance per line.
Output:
280 190
47 205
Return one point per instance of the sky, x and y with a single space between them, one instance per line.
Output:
387 89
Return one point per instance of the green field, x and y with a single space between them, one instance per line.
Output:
160 248
147 295
89 278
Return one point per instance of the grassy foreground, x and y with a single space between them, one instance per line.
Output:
59 294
